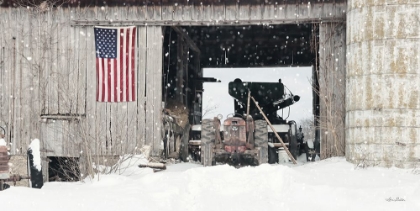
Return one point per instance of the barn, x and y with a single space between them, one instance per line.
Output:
366 71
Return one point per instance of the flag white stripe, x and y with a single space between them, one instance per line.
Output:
106 75
100 80
112 79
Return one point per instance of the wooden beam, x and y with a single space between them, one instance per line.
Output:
206 22
187 39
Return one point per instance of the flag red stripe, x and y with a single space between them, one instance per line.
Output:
103 79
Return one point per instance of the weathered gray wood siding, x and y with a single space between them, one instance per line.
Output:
218 14
48 74
48 86
332 88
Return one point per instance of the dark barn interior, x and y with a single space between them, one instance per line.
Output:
188 50
253 45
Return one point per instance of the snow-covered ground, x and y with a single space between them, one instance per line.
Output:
331 184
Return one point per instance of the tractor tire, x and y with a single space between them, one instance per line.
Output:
293 143
207 142
183 152
261 140
207 154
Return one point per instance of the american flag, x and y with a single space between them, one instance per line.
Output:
115 63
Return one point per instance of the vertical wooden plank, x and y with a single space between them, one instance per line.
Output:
115 122
142 12
52 34
154 89
197 10
332 84
35 98
207 14
244 11
3 75
132 13
42 63
219 12
5 72
257 11
302 10
65 97
75 142
129 146
76 75
141 86
187 11
157 95
167 10
269 11
9 71
44 160
154 11
68 146
232 12
26 81
102 109
178 11
150 65
87 83
292 11
17 82
86 66
70 61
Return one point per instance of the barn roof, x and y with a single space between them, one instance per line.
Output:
90 3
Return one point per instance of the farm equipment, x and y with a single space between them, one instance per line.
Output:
34 175
245 138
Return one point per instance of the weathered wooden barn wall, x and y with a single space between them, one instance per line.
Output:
332 88
48 85
47 81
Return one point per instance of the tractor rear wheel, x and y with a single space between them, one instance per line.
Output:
293 143
207 142
261 140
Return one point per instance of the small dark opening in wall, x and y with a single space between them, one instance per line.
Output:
64 169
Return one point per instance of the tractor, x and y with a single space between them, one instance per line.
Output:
244 138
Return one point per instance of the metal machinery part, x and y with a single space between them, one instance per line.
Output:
4 167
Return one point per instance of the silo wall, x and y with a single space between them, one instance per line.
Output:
383 82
